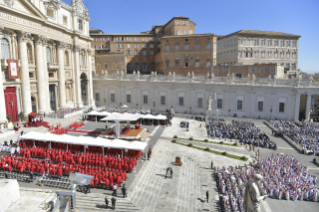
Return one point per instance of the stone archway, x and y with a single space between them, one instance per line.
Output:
84 89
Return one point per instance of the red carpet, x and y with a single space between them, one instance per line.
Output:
87 132
126 131
38 124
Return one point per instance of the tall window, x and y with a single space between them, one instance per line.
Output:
262 70
219 103
197 64
197 46
144 66
186 46
128 98
281 107
167 48
137 67
112 97
271 70
208 46
144 52
181 101
152 52
276 54
152 66
145 99
293 66
66 59
136 46
128 52
81 60
163 100
80 25
208 63
260 106
178 32
128 38
167 64
253 70
200 102
176 47
5 52
48 55
239 104
136 52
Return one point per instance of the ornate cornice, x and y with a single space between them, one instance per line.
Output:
52 4
76 48
9 3
61 45
81 10
1 29
23 36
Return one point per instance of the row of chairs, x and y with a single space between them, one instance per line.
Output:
62 182
16 175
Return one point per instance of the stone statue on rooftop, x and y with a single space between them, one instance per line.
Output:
193 74
134 72
252 196
209 103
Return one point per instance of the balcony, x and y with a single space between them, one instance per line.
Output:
4 63
53 66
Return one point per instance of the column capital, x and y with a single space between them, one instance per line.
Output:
89 51
76 48
40 39
1 29
61 44
23 36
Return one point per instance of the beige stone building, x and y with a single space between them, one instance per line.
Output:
248 47
45 56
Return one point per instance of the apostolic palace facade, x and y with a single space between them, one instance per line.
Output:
45 56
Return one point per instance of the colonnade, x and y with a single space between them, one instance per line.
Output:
42 74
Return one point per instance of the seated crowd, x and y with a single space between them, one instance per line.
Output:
283 178
246 132
306 134
107 169
65 111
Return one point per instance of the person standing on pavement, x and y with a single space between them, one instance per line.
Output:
106 202
113 203
124 191
115 189
207 195
212 165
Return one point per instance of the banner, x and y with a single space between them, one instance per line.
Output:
13 69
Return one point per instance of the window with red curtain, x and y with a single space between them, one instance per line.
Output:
11 103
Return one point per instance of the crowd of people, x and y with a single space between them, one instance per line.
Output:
246 132
283 178
106 169
65 111
305 134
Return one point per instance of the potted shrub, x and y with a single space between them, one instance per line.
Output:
9 118
207 149
173 141
21 116
243 158
190 145
206 140
224 153
175 136
221 142
234 144
191 138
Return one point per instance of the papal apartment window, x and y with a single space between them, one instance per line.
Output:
128 98
271 70
186 46
181 101
197 46
97 96
200 102
145 99
50 13
281 107
80 25
136 52
152 52
167 48
65 20
112 97
167 64
219 103
239 104
260 106
144 52
163 102
128 52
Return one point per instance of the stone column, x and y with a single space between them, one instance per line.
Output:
308 105
46 74
90 84
23 37
18 100
56 97
40 73
77 74
61 48
297 107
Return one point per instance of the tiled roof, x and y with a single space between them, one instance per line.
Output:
261 33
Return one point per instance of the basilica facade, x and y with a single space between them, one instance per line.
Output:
45 57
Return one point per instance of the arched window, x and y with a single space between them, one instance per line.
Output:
81 60
66 59
48 55
5 51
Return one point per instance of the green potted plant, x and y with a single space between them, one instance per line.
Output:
21 116
9 118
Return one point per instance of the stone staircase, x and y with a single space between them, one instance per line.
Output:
96 203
